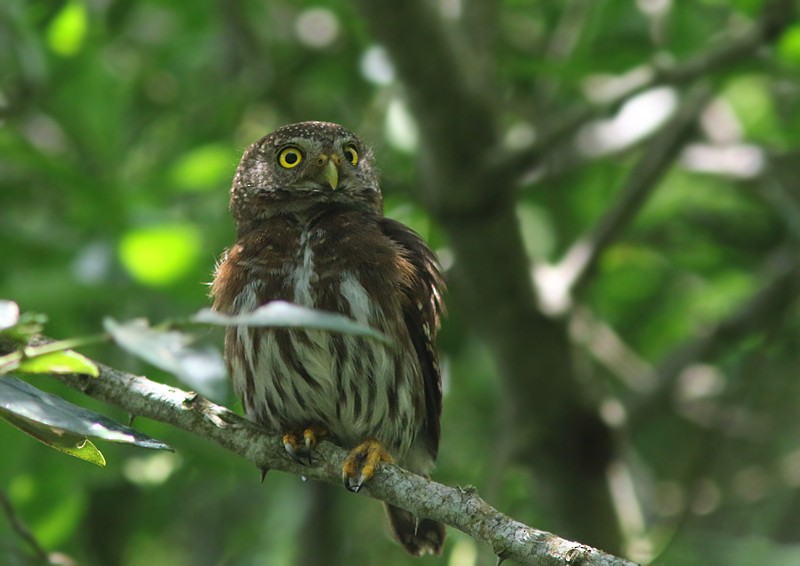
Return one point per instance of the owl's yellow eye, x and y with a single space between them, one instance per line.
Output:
290 157
351 154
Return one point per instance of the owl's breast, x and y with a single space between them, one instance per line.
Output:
355 387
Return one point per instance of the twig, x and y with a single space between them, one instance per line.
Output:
776 15
21 529
563 41
768 304
11 361
461 508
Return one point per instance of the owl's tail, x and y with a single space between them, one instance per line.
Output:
418 536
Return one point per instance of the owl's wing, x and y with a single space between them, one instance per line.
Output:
423 308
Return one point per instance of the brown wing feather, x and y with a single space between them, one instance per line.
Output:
423 308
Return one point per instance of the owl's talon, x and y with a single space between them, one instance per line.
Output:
352 484
302 453
359 466
290 445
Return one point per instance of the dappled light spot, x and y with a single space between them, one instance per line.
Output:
520 135
700 381
653 7
92 264
376 66
451 9
401 129
152 469
464 553
706 497
743 161
670 498
639 117
317 27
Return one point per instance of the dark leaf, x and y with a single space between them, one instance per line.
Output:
69 443
44 410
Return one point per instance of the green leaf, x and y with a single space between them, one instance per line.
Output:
169 350
280 314
45 410
66 442
9 314
160 255
60 362
67 32
789 46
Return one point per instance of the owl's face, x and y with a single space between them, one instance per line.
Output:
300 166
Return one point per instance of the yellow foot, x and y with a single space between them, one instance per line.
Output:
301 451
359 466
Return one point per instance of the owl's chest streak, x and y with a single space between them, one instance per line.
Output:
339 267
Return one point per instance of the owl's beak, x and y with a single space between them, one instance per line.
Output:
331 174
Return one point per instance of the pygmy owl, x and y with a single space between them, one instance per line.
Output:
310 230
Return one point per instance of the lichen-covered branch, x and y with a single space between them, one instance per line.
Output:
459 507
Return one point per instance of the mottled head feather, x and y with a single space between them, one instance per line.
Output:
262 188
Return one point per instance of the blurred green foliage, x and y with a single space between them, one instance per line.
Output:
121 124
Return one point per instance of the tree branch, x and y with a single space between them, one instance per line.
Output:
458 507
775 16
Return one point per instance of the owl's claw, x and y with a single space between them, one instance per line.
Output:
359 466
301 453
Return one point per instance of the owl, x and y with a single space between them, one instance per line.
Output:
310 230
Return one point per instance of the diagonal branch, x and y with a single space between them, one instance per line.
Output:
461 508
581 258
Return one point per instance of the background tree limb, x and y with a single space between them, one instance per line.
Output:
471 188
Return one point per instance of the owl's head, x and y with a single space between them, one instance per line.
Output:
301 166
